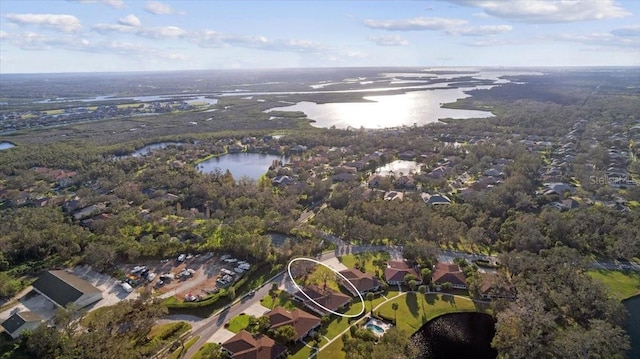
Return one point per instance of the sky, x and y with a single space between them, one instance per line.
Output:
137 35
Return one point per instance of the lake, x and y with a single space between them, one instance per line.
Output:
399 167
416 107
458 335
6 145
252 165
633 325
154 146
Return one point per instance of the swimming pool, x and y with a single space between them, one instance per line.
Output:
374 328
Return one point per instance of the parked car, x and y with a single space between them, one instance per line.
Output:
127 287
182 257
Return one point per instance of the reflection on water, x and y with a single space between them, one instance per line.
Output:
6 145
418 107
252 165
458 335
399 168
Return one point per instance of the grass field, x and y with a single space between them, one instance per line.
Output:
621 285
282 300
411 316
350 260
238 323
178 352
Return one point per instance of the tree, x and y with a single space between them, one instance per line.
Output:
413 284
395 307
426 275
321 275
231 293
446 286
423 290
284 334
370 299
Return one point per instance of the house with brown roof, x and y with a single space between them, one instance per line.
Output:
396 271
246 346
327 298
449 273
364 282
494 286
301 321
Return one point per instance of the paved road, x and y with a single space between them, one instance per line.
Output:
215 322
210 325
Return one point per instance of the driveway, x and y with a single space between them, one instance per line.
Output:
221 336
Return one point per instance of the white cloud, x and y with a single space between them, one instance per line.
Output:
60 22
627 31
389 40
162 32
600 39
549 11
116 4
108 28
158 8
210 38
129 20
3 34
415 24
481 30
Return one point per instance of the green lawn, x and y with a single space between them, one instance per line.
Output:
303 353
204 352
333 351
621 285
411 315
350 260
282 300
238 323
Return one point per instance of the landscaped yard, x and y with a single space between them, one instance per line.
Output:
350 260
410 312
333 351
282 300
622 285
236 324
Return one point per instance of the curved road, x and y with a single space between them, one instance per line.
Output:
209 326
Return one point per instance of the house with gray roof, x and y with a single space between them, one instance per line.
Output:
20 322
62 287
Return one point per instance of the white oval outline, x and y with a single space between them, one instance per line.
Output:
316 303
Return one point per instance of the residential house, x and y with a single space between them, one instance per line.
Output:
396 271
244 345
20 322
434 199
62 287
449 273
392 195
493 286
301 321
327 298
363 282
282 180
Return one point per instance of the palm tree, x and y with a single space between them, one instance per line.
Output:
370 299
395 306
423 290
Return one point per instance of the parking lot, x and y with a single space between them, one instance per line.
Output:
186 277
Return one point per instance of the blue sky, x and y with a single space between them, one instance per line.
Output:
137 35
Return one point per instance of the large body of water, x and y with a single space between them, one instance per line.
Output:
633 325
252 165
459 335
411 108
6 145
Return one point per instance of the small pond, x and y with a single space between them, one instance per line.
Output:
251 165
399 167
154 146
458 335
6 145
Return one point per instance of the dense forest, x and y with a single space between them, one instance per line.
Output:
160 205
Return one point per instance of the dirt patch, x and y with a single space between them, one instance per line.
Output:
203 272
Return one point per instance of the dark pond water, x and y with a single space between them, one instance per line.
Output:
6 145
633 325
458 335
252 165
